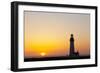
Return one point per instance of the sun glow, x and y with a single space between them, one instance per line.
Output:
42 54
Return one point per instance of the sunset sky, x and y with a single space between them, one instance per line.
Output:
47 34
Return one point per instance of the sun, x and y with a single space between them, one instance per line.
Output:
42 53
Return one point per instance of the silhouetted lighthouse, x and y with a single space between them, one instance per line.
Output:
71 45
72 49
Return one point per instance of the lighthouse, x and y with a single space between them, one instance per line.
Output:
72 48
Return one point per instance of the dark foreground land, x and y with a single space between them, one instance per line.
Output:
56 58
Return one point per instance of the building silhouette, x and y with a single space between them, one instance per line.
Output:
72 52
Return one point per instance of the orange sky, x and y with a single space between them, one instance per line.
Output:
47 33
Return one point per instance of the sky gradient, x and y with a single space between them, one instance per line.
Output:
48 33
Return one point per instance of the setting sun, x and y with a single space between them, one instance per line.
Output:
42 54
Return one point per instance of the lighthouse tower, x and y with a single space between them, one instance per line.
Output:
72 48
